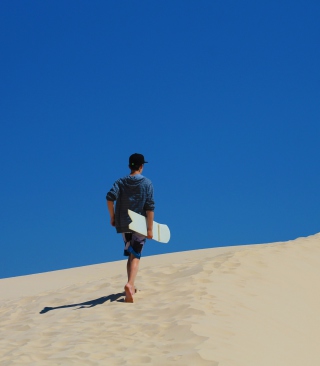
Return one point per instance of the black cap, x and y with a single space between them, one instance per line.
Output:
136 160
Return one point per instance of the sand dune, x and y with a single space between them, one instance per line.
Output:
255 305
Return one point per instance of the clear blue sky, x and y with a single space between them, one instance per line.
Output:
222 98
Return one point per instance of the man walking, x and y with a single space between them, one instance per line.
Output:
134 192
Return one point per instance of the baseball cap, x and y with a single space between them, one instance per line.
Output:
136 160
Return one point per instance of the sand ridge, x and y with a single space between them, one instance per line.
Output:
249 305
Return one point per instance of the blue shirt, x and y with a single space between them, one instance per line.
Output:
134 192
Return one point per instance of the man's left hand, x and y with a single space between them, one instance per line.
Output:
149 234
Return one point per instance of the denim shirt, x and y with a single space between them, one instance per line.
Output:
134 192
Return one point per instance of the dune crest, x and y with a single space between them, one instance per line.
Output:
254 305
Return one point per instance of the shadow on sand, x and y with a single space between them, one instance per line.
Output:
88 304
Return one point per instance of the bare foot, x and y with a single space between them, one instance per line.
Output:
135 291
129 293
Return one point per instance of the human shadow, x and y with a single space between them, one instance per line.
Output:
88 304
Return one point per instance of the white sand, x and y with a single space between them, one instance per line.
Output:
256 305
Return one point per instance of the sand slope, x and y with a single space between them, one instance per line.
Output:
254 305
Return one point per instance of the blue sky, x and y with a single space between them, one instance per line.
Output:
222 98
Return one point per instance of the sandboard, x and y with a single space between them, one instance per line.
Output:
161 232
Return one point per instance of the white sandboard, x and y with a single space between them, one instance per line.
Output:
161 232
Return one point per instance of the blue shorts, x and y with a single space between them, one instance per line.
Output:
133 244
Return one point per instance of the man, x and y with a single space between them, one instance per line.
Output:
134 192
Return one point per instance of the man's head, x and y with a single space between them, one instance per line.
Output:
136 161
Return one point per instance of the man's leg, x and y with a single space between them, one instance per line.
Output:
132 270
134 243
128 266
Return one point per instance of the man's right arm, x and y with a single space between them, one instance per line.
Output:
112 196
110 205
